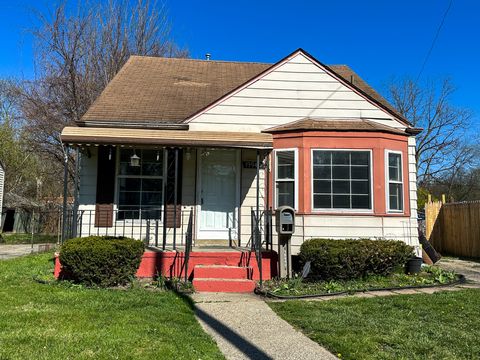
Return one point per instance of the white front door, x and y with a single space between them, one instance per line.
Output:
218 194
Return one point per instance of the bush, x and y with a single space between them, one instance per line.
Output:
101 260
351 259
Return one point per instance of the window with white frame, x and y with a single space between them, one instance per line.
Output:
140 188
285 186
341 179
394 181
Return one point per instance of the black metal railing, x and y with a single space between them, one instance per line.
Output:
188 242
261 223
155 226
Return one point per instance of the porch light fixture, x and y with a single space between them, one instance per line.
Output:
134 160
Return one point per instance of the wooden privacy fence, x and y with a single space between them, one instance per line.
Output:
454 228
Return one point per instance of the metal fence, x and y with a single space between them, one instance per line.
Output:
33 226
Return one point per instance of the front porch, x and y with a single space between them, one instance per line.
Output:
200 204
161 186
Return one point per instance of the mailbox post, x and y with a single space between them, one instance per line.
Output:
285 225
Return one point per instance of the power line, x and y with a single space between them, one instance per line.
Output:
435 39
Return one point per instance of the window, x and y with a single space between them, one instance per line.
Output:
395 182
341 179
285 187
140 188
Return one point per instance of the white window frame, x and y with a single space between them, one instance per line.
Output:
388 181
117 186
295 176
343 210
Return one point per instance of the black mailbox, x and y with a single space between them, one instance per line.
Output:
285 220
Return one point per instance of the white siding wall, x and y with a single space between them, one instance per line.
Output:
412 176
294 90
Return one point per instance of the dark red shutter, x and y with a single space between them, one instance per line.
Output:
169 196
105 186
169 220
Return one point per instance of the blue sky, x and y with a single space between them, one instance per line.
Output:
378 39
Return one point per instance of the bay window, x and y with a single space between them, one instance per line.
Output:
394 181
341 179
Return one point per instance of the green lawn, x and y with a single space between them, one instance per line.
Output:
444 325
431 275
39 321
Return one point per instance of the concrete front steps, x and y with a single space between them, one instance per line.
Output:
223 278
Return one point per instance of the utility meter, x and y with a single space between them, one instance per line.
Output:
285 220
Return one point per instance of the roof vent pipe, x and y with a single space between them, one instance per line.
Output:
207 56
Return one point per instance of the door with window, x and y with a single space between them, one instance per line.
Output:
218 194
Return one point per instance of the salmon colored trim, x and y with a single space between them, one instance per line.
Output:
377 143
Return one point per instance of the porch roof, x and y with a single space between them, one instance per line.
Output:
124 136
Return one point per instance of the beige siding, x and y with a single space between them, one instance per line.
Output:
295 89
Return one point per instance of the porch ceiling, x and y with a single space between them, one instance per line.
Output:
123 136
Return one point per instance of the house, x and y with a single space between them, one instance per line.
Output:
17 213
180 151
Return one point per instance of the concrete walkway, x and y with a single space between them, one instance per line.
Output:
13 251
470 269
245 327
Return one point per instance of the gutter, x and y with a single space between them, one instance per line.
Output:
413 130
133 125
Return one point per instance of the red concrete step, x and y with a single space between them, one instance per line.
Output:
222 272
223 285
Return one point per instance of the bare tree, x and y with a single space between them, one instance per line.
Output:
20 165
78 53
443 148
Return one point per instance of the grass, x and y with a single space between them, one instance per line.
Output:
11 239
443 325
431 275
40 321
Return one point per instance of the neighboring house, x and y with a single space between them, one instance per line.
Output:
17 213
328 145
2 186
